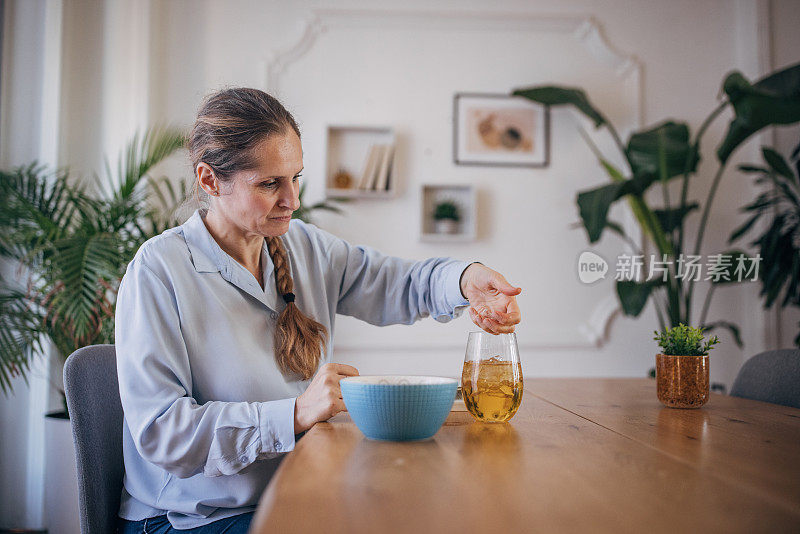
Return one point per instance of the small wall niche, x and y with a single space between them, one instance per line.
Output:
463 198
359 161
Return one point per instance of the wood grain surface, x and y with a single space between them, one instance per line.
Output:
588 455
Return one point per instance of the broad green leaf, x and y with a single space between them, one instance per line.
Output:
772 100
664 145
633 295
672 218
552 95
644 215
593 206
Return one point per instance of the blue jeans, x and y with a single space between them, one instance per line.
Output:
237 524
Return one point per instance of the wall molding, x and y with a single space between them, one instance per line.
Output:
585 29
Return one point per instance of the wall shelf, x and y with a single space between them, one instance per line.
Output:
465 197
349 149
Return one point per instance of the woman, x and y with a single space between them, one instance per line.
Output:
224 324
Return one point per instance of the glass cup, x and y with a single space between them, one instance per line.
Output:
491 380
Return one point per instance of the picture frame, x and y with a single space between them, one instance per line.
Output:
499 130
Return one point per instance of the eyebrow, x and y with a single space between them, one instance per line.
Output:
277 176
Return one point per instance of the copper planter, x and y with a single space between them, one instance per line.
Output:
682 381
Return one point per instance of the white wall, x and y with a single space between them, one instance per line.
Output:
21 114
197 49
119 74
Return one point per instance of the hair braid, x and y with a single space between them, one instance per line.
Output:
300 340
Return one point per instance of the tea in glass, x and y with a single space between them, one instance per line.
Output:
492 377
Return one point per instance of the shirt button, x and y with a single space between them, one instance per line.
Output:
243 459
277 446
273 315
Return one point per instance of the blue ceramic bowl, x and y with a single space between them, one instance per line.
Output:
398 408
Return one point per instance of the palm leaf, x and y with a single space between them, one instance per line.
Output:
142 154
74 246
37 208
20 335
80 272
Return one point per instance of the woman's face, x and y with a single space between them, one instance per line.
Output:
261 200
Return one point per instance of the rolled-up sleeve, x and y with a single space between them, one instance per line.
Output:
169 428
383 290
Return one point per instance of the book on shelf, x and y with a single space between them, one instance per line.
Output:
370 167
377 168
382 177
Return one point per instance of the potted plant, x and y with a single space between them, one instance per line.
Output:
446 216
682 366
668 152
779 241
73 243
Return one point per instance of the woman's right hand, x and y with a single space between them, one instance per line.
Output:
323 398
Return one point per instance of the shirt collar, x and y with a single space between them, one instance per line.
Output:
207 256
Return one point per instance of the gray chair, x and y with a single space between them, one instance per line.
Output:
92 391
772 376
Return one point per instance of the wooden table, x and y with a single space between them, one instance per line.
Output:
581 455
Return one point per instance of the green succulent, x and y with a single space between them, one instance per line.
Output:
684 340
446 210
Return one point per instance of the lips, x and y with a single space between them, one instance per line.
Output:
281 219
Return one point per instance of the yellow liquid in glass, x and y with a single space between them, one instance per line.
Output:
492 389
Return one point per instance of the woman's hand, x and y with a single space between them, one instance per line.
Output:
492 300
323 398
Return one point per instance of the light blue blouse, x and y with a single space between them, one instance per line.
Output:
208 413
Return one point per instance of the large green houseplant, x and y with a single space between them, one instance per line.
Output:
658 155
72 241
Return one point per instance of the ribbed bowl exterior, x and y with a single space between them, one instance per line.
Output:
398 412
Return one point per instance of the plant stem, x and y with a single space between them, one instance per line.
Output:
617 140
662 173
689 157
684 197
707 208
702 229
661 322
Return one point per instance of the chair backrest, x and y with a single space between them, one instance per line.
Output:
772 376
92 391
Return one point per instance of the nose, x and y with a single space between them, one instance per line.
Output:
290 197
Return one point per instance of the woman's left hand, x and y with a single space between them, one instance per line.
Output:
492 300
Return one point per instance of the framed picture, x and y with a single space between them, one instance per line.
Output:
500 130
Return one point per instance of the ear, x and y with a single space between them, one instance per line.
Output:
206 179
